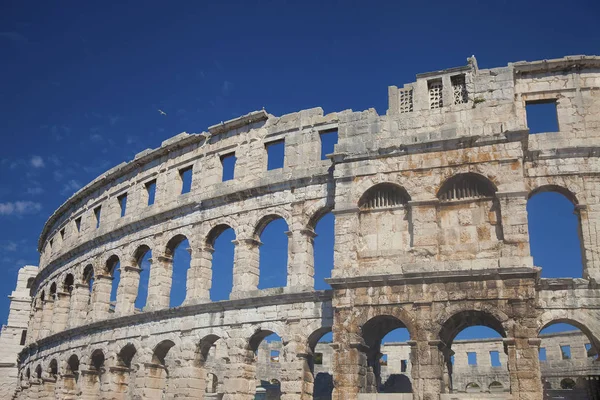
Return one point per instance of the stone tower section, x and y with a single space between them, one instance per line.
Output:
14 333
431 234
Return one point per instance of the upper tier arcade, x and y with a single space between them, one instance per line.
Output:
431 232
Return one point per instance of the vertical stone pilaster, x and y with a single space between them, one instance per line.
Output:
49 388
427 369
524 368
186 381
127 290
101 298
423 226
159 285
514 229
240 378
294 373
67 388
80 305
61 312
119 379
345 256
46 321
89 381
349 370
199 277
36 322
245 266
301 269
589 217
151 381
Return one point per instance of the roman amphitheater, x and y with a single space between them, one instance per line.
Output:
431 235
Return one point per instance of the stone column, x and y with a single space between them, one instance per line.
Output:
89 382
61 311
119 379
159 284
46 322
152 381
245 267
199 276
128 290
524 368
35 390
294 373
239 382
80 305
186 381
427 369
68 388
36 322
515 229
349 370
49 387
589 218
301 268
101 297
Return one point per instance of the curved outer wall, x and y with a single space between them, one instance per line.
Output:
430 253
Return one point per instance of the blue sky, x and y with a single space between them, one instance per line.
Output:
81 82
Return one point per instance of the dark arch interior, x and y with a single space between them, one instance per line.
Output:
204 347
383 195
125 356
73 364
465 186
97 360
161 351
53 367
68 284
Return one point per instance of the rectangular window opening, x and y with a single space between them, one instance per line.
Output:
472 357
185 175
23 337
565 352
588 350
542 116
275 154
406 100
383 360
228 164
542 354
318 358
459 89
495 359
328 141
78 224
151 190
274 355
97 211
403 365
435 94
122 199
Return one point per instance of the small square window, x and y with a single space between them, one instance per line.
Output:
62 233
495 358
274 355
228 164
472 357
275 154
78 224
97 212
542 354
565 352
403 365
328 141
541 116
123 204
318 358
186 179
151 190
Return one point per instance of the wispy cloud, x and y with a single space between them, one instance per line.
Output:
34 191
37 162
70 187
19 208
94 137
8 246
113 119
226 88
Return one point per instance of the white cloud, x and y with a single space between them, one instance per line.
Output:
34 191
9 246
37 162
19 208
95 137
70 187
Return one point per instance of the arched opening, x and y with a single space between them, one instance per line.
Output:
496 387
94 380
38 372
273 259
474 355
124 377
125 356
387 355
71 375
384 224
469 218
265 348
53 291
179 249
88 277
53 369
568 353
320 362
143 257
212 361
113 270
68 284
555 232
29 283
220 242
323 245
159 369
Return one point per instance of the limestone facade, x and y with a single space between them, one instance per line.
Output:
431 234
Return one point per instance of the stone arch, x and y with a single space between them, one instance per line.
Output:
204 346
385 194
72 364
585 322
68 283
452 325
473 387
315 211
259 334
87 274
211 230
267 218
401 314
110 264
367 183
53 368
53 289
215 231
554 188
175 241
467 185
496 386
139 252
567 383
125 356
38 371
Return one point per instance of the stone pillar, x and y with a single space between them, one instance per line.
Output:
119 380
68 388
349 370
128 290
152 381
36 321
515 229
186 381
301 268
46 322
89 381
80 305
294 373
589 218
524 368
49 388
35 390
101 297
424 229
199 276
245 267
159 285
239 382
61 311
427 369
